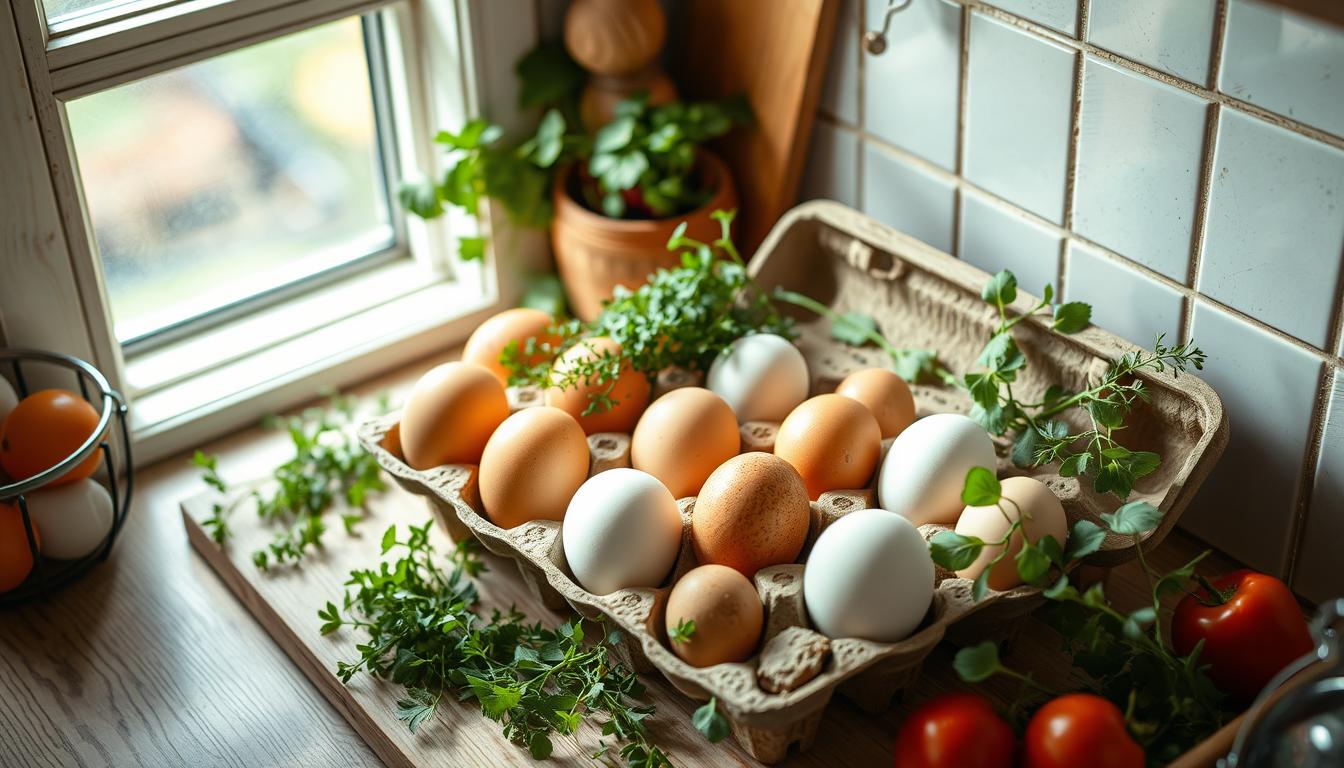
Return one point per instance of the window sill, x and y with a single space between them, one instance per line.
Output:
230 377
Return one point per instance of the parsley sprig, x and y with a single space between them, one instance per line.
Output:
424 633
682 317
328 466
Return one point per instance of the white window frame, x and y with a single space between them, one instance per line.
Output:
52 293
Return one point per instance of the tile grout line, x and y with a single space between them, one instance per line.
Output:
1199 227
963 106
1306 482
1219 41
861 13
1071 162
1328 357
1167 78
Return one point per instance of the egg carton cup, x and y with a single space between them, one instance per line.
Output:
921 298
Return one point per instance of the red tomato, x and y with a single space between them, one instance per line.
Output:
1080 729
1251 629
957 730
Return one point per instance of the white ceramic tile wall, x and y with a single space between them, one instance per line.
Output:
1236 241
912 199
1174 36
1139 153
910 92
1319 574
994 236
1285 63
1127 303
1275 226
1019 93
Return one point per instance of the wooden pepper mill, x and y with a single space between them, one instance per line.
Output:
618 42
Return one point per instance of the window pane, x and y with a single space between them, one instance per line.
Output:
56 9
215 182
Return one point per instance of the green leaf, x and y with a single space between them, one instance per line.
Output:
977 663
1133 519
980 488
548 75
1085 538
915 365
1136 621
1072 317
1050 547
853 328
954 551
1002 354
417 707
1001 290
1024 448
708 721
614 135
1061 590
1108 414
683 632
420 198
550 139
980 587
539 745
389 539
471 248
983 388
1032 563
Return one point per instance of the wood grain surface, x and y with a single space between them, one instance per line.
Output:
150 661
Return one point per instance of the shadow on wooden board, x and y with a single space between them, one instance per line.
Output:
776 52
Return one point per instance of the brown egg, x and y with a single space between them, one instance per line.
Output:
630 393
832 441
532 466
683 437
751 512
450 414
1041 512
490 338
885 394
727 613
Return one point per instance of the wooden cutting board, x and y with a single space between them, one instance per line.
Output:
775 51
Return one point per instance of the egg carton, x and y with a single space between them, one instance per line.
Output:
920 298
804 667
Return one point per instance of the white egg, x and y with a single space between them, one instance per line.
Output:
8 398
925 469
622 529
869 576
73 518
762 377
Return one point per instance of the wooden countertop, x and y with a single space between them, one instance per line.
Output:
149 661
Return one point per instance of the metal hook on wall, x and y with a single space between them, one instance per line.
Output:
875 42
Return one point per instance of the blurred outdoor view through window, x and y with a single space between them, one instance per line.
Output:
218 181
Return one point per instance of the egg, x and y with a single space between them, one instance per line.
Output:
8 399
74 518
16 558
1022 498
450 414
43 430
683 437
532 465
621 530
833 441
727 613
488 342
630 394
762 377
751 512
869 576
925 469
885 394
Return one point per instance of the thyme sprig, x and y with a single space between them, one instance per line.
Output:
424 632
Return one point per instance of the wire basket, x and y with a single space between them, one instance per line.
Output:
49 574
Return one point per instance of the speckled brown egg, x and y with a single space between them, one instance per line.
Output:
885 394
630 394
726 611
532 466
450 415
683 437
751 512
832 441
488 341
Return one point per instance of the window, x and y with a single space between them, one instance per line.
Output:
204 202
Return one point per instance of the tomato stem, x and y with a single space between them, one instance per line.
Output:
1216 596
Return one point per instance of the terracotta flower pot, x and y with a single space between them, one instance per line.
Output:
594 254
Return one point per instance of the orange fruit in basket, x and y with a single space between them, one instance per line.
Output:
45 428
16 559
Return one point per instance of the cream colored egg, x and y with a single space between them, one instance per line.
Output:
1022 498
622 529
925 469
74 518
762 377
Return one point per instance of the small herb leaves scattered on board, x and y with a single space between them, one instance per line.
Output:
328 468
424 633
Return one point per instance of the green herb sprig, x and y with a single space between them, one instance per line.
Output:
683 632
684 316
424 633
328 466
